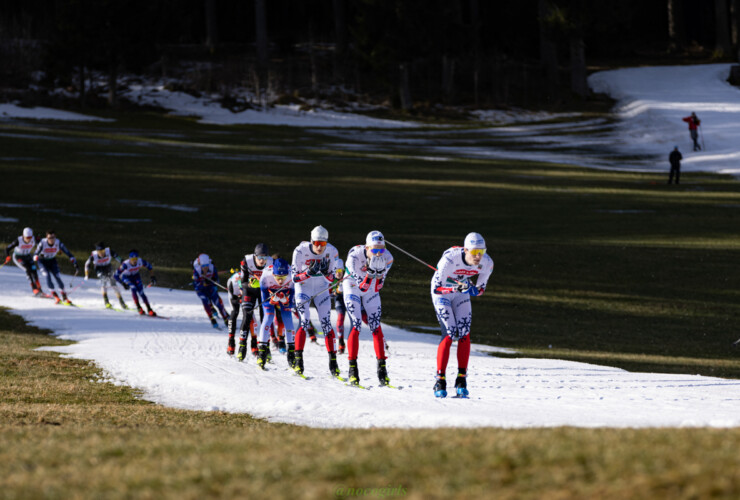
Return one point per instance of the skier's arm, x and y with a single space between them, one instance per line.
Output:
10 247
88 265
299 275
443 266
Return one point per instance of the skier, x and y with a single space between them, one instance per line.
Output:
278 296
102 259
338 298
205 280
45 255
675 158
694 124
128 275
234 288
367 267
451 292
252 267
312 270
22 256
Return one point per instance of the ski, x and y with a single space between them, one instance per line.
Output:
357 386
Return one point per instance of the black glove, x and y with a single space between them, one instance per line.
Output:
324 267
152 280
314 269
463 287
125 286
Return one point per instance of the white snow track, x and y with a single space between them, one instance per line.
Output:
182 362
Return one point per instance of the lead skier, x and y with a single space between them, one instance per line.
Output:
278 291
22 250
367 267
252 267
451 293
102 259
45 255
205 281
128 275
312 270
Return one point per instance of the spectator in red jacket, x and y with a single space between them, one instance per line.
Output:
694 124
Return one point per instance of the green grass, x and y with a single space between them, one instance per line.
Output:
603 267
586 261
68 433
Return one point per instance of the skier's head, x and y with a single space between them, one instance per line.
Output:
675 148
319 236
27 233
261 253
100 245
202 261
339 273
51 235
281 270
475 248
375 242
133 254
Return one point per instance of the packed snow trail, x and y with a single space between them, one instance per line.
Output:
183 363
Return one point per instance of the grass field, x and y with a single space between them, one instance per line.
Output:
606 267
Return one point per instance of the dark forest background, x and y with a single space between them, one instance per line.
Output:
407 54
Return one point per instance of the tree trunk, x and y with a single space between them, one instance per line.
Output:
722 27
340 29
548 52
260 17
404 89
734 31
578 67
676 29
211 25
448 76
112 82
82 85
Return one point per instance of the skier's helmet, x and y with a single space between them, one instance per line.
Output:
280 267
133 253
374 238
319 233
261 251
203 260
474 241
27 232
100 245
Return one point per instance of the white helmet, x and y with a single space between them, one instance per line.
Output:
374 238
202 261
474 240
27 232
319 233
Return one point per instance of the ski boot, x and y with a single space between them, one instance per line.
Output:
354 373
57 300
232 345
440 387
341 345
150 312
242 349
123 304
107 303
281 346
291 355
383 373
214 322
262 355
333 366
461 385
65 299
298 365
253 346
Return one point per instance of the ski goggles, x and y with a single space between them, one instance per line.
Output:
477 252
319 243
377 251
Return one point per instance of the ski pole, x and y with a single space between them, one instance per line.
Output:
415 258
77 270
217 284
333 285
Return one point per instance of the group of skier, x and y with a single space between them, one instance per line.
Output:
281 290
34 255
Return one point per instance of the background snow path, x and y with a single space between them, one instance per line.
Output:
182 363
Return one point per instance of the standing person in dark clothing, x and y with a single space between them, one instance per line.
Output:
694 124
675 158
